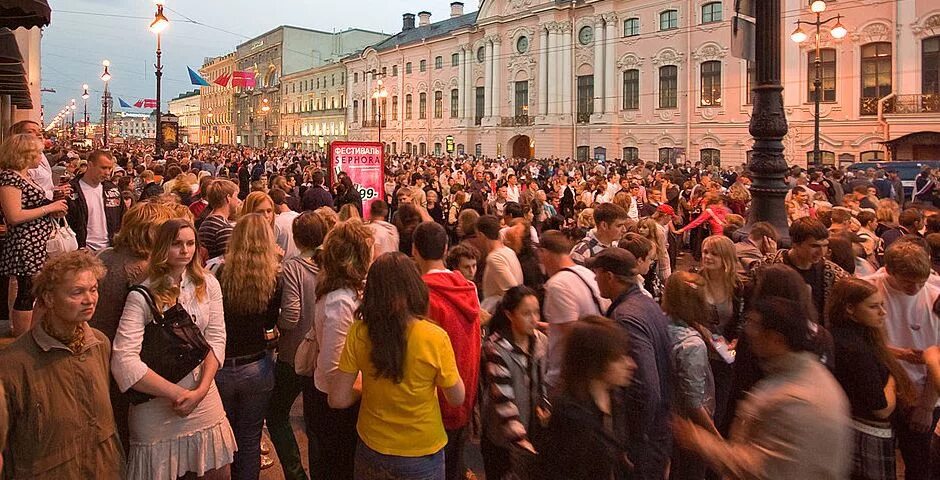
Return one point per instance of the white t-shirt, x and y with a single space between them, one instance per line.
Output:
284 226
42 175
512 193
501 273
911 322
97 225
568 298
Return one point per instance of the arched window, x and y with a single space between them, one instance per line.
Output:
667 155
827 67
408 106
872 156
438 104
422 106
930 65
711 12
825 157
668 86
668 20
631 154
711 83
710 156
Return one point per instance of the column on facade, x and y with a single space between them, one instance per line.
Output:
610 52
543 71
599 65
497 81
488 75
566 43
554 81
461 83
367 99
469 98
905 81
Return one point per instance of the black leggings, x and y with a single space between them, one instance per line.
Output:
24 294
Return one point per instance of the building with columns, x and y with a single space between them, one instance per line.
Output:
186 107
645 80
313 103
217 102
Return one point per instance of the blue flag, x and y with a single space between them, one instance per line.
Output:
123 103
197 79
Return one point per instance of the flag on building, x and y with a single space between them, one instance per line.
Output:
243 78
197 79
123 104
146 103
223 79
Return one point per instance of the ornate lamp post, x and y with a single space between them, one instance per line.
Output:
379 95
105 100
265 108
85 111
160 22
71 107
799 36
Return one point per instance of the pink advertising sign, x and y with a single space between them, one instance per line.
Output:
363 162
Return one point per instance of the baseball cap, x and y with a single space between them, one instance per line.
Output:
615 260
666 209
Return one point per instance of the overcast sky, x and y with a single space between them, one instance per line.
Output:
84 32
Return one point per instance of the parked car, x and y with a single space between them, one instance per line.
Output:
906 170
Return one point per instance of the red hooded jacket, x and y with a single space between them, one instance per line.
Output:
455 307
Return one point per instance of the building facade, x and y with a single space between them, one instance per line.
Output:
133 126
187 108
284 51
313 104
643 80
217 102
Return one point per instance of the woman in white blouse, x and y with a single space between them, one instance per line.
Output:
183 432
344 262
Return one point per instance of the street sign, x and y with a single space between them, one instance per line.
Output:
449 143
363 162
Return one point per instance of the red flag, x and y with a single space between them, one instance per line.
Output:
243 78
139 104
222 81
146 103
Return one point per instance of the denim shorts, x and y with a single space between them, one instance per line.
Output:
372 465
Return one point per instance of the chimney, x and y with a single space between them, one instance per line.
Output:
456 9
424 18
407 22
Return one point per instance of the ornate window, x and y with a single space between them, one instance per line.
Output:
669 20
408 106
438 104
422 105
827 68
631 154
710 156
408 68
585 97
631 89
930 65
454 103
631 27
394 108
668 86
423 66
711 12
711 83
876 70
455 59
522 98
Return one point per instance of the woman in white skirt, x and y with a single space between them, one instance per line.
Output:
183 432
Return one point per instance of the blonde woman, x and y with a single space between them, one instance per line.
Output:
261 203
183 430
251 294
344 262
24 209
650 229
349 211
724 294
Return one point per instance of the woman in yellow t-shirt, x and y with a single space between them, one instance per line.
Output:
403 359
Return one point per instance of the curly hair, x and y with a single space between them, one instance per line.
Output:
56 269
345 257
249 275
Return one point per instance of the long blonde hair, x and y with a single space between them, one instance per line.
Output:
655 235
164 287
724 249
253 201
249 275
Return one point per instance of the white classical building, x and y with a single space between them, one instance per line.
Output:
645 80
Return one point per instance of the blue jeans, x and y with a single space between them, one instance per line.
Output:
246 391
372 465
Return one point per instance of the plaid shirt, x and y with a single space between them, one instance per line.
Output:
588 247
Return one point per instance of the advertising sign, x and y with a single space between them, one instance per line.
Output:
449 142
363 162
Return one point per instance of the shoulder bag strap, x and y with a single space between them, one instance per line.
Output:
597 302
151 302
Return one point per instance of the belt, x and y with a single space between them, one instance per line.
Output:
245 359
872 430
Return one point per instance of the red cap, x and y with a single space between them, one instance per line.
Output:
666 209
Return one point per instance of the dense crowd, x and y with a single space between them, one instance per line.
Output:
575 320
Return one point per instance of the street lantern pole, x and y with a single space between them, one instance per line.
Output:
85 112
105 101
160 22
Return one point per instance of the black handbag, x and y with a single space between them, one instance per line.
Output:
173 345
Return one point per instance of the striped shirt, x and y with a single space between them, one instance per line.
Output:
214 234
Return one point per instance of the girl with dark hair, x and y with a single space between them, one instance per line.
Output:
404 359
513 387
582 440
872 378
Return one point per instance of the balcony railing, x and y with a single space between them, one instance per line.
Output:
517 121
584 117
373 123
903 104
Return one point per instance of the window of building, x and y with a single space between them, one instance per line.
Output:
667 155
422 148
582 153
394 113
438 62
423 66
479 108
631 89
872 156
930 66
521 99
481 54
846 159
585 98
631 27
876 70
711 12
408 68
318 83
454 103
455 60
669 20
355 79
710 156
478 149
631 154
422 105
437 149
438 104
333 80
355 111
827 69
408 104
711 83
600 154
668 86
826 157
749 83
394 70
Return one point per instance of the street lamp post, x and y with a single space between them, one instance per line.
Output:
160 22
379 95
799 36
85 111
105 100
265 108
72 108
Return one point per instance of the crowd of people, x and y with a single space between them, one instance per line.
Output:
575 320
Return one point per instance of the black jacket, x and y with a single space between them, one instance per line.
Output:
575 445
78 210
